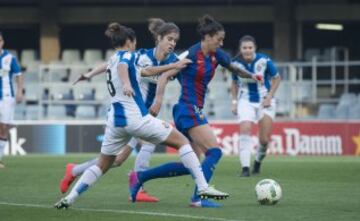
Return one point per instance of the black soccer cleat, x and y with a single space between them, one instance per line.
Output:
245 172
256 168
62 204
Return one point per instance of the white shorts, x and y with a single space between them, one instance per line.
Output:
147 128
248 111
7 109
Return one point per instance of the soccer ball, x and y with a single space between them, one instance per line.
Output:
268 192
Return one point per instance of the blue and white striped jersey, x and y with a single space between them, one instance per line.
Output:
9 67
124 108
250 89
145 59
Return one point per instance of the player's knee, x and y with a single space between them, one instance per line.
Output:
264 141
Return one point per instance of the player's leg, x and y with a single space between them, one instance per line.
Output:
87 179
174 138
142 163
265 129
205 138
245 144
115 138
4 132
74 170
246 113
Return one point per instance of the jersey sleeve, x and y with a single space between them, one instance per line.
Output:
272 70
144 61
126 58
223 58
15 67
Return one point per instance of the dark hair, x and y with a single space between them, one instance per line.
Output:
247 38
159 27
1 34
118 34
208 26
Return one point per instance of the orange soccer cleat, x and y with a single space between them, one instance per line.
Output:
143 196
67 179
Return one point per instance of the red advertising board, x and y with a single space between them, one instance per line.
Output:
297 138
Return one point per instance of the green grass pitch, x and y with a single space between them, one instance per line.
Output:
314 188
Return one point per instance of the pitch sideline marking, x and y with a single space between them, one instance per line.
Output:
123 212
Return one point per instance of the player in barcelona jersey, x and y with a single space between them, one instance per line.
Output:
9 68
254 102
128 117
166 35
188 116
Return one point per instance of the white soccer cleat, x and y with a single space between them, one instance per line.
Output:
62 204
212 193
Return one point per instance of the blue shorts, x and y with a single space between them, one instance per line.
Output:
187 116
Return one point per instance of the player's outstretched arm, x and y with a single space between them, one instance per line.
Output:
160 90
154 70
244 73
96 71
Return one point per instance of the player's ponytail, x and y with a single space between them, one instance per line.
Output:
118 34
159 27
208 26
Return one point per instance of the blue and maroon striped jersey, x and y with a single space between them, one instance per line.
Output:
194 79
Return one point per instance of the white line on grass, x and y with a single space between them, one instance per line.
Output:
124 212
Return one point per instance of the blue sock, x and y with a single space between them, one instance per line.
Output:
163 171
212 157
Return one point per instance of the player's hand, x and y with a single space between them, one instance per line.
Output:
266 101
234 107
182 63
155 108
258 78
82 77
128 91
19 97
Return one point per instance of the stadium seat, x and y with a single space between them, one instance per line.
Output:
326 111
84 93
342 111
28 56
56 112
311 52
14 52
85 112
33 112
109 53
32 91
223 111
348 99
219 90
71 56
103 110
59 92
20 112
93 56
58 73
354 111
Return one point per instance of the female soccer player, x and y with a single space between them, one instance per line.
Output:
253 102
9 68
166 35
188 115
128 117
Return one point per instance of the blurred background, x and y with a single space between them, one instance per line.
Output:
314 43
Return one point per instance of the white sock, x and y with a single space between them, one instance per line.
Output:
191 161
142 161
261 152
80 168
133 142
245 144
90 176
2 148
